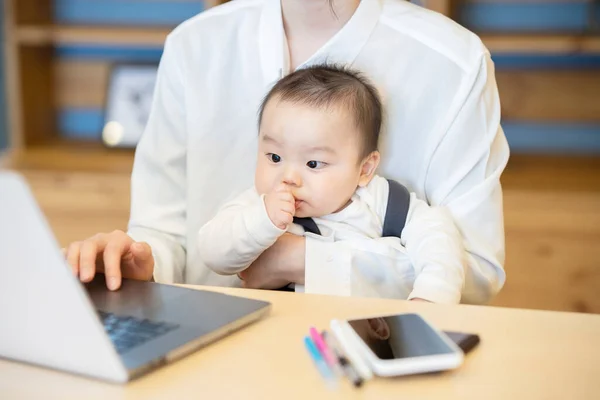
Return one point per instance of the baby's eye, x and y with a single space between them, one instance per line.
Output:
312 164
273 157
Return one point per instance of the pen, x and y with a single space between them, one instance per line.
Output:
350 372
319 361
343 362
324 349
349 347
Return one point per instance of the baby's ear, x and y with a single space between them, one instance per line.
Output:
368 167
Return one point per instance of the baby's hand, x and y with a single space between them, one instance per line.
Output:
281 206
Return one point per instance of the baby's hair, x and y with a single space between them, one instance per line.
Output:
333 86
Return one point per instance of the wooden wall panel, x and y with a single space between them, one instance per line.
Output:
37 88
445 7
33 11
543 173
79 205
551 271
81 83
552 224
560 212
550 95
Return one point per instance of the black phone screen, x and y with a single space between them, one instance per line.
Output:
400 336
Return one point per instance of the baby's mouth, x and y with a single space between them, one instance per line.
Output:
298 203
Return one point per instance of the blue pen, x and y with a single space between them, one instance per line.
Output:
319 361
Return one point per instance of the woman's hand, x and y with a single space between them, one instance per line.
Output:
279 265
115 254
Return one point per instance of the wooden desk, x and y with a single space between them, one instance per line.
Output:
523 355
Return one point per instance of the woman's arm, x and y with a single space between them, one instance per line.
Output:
279 265
158 180
464 177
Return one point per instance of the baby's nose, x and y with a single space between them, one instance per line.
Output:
292 177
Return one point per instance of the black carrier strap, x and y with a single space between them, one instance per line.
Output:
308 224
397 209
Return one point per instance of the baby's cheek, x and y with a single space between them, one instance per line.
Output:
260 183
330 199
263 179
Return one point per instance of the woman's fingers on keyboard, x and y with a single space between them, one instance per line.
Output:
143 259
71 253
102 253
87 259
117 245
88 254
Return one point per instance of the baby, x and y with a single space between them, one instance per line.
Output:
317 157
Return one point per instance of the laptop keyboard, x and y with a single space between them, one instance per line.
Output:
129 332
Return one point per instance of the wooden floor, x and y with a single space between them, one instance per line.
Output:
552 221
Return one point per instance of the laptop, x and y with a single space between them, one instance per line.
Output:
48 318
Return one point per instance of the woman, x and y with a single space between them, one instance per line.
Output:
443 140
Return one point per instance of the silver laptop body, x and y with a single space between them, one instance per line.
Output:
48 318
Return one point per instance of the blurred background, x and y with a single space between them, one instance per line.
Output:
70 66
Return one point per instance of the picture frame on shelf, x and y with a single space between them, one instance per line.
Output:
128 102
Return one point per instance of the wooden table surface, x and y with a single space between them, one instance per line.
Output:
524 354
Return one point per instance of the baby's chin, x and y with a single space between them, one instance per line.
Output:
300 214
304 214
305 211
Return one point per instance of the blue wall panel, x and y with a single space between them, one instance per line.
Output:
546 61
555 138
112 54
130 12
526 17
81 123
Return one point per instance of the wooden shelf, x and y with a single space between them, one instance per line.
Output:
540 173
109 36
71 157
155 37
542 44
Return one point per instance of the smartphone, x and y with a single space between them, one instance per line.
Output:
466 341
394 345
